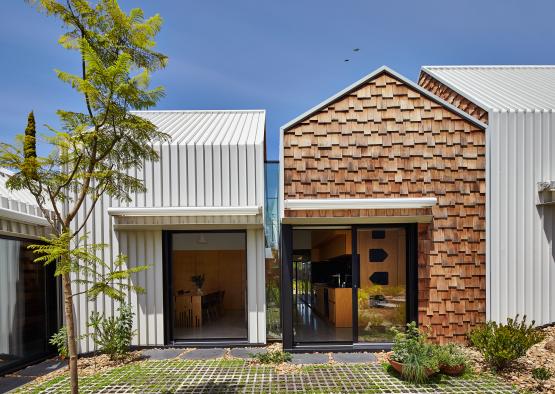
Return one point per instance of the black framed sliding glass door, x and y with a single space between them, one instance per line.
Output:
382 282
206 281
322 285
347 285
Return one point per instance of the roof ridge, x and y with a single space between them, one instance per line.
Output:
197 110
487 66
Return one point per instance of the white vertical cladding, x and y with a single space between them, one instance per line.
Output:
215 158
261 287
256 304
141 248
520 233
520 101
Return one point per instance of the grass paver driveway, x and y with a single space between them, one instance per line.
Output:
239 376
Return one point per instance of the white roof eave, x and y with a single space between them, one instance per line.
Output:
360 203
187 211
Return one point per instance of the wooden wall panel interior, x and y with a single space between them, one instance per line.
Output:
224 270
385 139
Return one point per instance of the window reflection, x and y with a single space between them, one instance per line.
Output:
27 306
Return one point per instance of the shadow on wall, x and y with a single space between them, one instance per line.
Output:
547 217
144 248
425 245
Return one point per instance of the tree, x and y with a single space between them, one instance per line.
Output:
93 150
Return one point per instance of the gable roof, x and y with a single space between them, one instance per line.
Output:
210 127
369 77
18 205
500 88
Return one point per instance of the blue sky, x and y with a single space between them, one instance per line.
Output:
283 56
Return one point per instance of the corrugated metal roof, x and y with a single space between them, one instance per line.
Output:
210 127
18 205
365 79
21 196
501 88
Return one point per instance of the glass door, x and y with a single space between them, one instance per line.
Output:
382 290
322 285
209 285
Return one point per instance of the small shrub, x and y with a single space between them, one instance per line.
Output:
273 357
420 365
113 335
59 339
451 355
501 344
418 357
541 373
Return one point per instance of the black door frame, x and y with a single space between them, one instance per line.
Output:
169 318
411 230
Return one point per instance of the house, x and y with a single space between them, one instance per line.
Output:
383 217
391 202
200 226
517 103
29 311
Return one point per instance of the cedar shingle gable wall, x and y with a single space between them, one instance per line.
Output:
446 93
385 139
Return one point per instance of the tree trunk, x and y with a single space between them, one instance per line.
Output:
70 325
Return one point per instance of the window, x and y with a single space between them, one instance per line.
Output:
28 304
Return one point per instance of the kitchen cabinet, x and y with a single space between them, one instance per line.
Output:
334 304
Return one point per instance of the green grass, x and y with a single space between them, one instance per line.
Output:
237 375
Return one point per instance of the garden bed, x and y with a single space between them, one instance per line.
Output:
520 373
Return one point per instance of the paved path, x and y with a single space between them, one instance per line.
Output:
238 376
27 374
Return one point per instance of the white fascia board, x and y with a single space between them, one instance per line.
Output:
360 203
187 211
23 217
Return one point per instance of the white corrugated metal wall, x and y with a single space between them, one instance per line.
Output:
520 234
520 101
215 158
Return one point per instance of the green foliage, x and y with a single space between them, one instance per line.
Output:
419 365
541 373
272 357
30 147
95 274
113 335
198 280
59 339
418 357
450 355
30 141
94 149
501 344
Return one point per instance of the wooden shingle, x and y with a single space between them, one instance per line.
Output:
400 143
